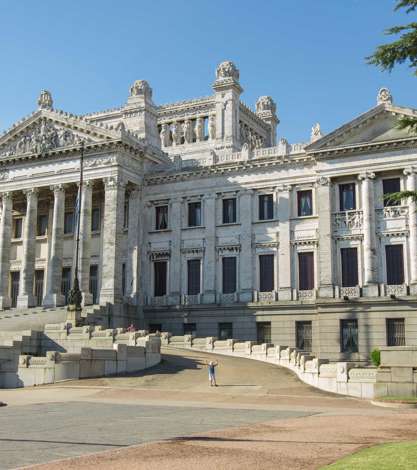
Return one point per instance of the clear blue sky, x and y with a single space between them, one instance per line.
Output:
308 55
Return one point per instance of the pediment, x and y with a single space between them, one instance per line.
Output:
380 124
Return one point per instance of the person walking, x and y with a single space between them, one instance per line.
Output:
212 373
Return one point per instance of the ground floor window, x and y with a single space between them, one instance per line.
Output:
349 336
160 278
38 289
263 331
193 276
395 331
154 328
66 283
303 331
190 329
395 264
94 282
225 331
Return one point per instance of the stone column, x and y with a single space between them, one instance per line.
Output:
27 273
284 253
174 290
246 258
412 224
133 244
84 254
370 288
111 275
209 271
325 251
54 297
5 241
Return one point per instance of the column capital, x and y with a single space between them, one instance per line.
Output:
7 196
323 181
87 184
57 188
367 175
30 192
114 182
411 170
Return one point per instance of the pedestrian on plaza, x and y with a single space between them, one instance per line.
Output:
131 328
212 373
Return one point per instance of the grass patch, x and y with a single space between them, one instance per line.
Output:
398 399
398 455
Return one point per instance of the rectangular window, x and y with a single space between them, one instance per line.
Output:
161 217
266 273
66 283
349 258
42 225
390 186
14 287
190 329
347 197
94 282
306 271
225 331
38 288
123 279
95 219
126 214
305 203
69 222
194 214
263 331
193 276
17 228
303 335
395 264
160 278
349 336
266 207
395 331
229 211
229 274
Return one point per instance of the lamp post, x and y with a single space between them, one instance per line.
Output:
75 296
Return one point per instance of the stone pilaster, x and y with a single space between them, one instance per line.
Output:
53 295
133 244
325 249
284 257
84 254
246 257
5 241
111 275
370 288
174 290
27 273
412 225
209 272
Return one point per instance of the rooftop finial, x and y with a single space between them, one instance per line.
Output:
45 100
384 96
316 133
227 69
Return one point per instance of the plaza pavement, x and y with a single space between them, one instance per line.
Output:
260 417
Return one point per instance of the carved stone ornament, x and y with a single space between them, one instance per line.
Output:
140 87
323 180
45 100
315 133
384 96
41 138
265 103
227 69
4 175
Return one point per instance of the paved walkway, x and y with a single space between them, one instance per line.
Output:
260 416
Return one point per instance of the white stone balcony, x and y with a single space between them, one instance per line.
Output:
347 222
306 294
398 290
351 292
227 298
392 218
265 296
191 299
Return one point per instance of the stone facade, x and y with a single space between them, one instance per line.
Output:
189 184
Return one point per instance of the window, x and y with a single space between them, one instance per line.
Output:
305 203
349 336
160 278
266 273
154 327
266 207
303 331
95 219
193 271
347 197
395 264
225 331
229 275
66 283
229 211
69 222
126 214
194 214
123 279
161 217
17 228
190 329
395 332
306 271
349 258
390 186
42 225
94 282
263 331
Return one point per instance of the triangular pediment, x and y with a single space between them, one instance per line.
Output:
380 124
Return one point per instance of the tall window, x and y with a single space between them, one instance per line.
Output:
193 276
395 264
194 214
263 331
306 271
229 211
69 222
266 273
395 332
303 331
190 329
349 336
266 207
349 257
123 279
126 214
42 225
229 274
17 228
225 331
95 219
305 203
161 217
160 278
389 186
347 196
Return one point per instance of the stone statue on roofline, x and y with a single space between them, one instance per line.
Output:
384 96
227 69
45 100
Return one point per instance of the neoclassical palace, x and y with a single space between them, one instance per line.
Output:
195 219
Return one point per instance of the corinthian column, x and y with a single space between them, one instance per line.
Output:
133 243
246 257
370 288
412 225
284 261
5 239
209 278
54 297
85 242
174 290
26 298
